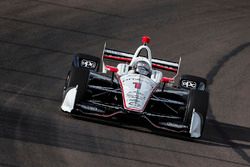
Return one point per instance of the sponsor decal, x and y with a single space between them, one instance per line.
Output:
135 104
135 95
88 64
188 84
90 108
170 124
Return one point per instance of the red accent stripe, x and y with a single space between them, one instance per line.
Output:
117 58
164 67
167 80
111 68
129 60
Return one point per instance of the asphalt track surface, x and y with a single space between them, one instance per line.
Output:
38 38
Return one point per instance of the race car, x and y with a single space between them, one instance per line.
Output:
135 87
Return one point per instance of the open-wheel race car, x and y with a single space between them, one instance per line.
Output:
136 87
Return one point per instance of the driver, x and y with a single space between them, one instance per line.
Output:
143 68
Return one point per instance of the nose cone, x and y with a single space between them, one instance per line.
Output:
145 39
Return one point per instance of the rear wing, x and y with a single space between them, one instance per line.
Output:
112 54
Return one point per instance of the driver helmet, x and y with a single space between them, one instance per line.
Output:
143 68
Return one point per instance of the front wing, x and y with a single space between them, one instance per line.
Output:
95 108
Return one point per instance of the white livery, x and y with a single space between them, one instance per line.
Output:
136 87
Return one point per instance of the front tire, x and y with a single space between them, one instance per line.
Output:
78 75
198 101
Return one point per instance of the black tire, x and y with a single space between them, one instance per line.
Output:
79 75
193 82
197 100
66 85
